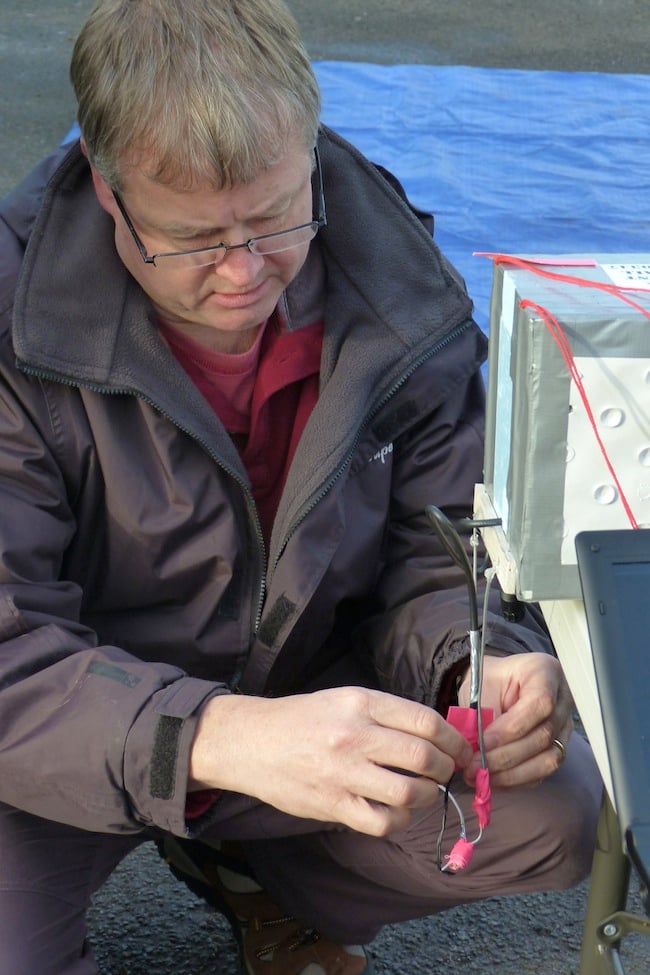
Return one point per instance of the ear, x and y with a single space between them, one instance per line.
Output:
103 191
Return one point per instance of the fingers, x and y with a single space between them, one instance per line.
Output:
528 760
534 708
349 755
395 789
427 745
387 761
536 717
406 750
529 772
373 818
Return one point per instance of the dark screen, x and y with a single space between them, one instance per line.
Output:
632 595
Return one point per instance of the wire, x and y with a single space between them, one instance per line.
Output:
443 823
462 850
535 267
489 577
454 547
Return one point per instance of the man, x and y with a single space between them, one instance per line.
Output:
235 370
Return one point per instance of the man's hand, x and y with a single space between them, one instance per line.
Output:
337 755
532 706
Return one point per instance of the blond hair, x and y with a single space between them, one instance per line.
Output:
193 90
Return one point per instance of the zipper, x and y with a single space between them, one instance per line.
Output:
318 497
265 572
258 603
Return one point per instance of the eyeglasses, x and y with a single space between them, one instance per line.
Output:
281 240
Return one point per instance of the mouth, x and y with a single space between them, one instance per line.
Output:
239 299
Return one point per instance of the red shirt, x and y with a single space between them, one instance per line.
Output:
263 398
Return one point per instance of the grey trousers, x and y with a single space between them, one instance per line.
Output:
345 884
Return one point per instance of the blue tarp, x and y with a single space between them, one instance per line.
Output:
509 161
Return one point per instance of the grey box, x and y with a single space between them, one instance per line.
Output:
545 473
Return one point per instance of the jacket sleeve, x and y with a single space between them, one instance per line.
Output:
420 642
89 735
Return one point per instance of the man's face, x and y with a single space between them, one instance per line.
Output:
220 306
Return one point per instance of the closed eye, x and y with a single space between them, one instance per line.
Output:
189 238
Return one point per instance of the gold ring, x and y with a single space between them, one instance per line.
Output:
561 747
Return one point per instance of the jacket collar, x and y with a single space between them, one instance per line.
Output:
68 318
390 298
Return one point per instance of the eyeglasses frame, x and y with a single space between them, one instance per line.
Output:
320 221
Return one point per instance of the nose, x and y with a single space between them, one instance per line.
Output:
239 265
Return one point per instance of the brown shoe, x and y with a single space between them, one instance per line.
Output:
270 942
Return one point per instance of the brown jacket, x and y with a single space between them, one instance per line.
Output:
134 583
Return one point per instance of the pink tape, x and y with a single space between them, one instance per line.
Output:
460 856
548 261
482 803
465 720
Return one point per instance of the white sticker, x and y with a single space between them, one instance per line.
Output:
628 275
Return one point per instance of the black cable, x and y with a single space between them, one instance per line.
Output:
454 547
443 826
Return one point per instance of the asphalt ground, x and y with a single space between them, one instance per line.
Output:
36 37
143 922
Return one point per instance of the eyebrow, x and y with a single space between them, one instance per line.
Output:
189 231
